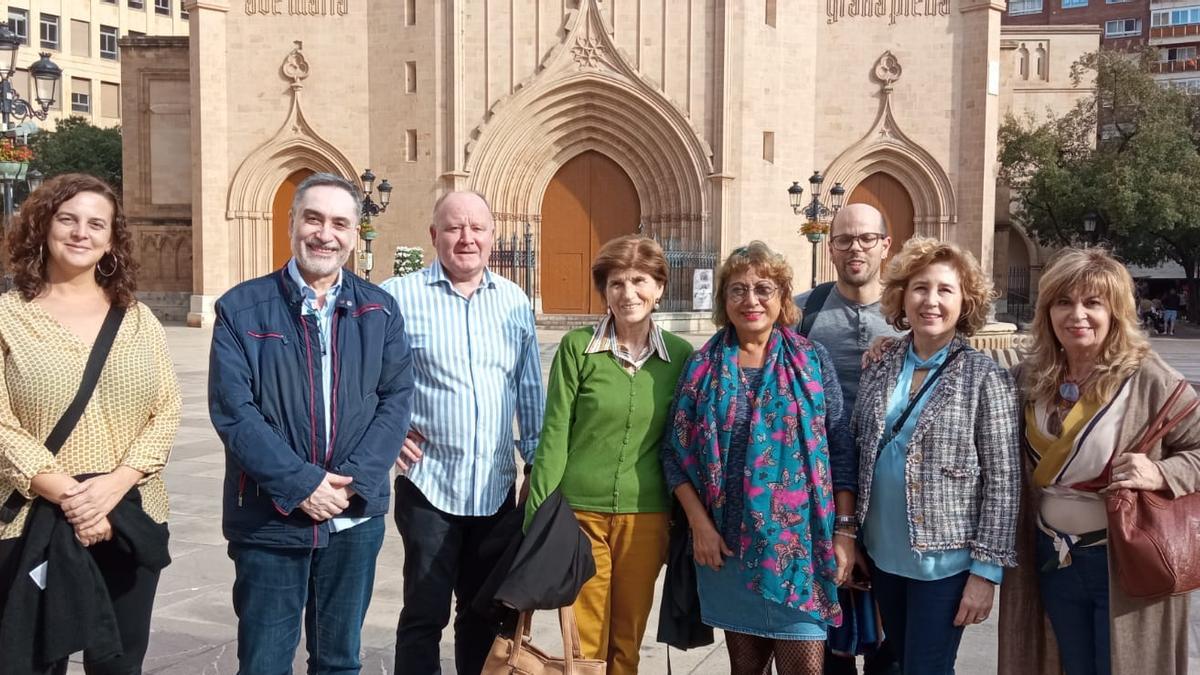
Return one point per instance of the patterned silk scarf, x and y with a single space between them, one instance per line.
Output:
786 537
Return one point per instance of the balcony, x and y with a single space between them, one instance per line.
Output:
1180 66
1168 32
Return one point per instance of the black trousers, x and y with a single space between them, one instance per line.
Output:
442 562
132 591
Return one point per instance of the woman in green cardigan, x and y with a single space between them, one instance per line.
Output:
610 390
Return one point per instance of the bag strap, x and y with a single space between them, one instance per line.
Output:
912 402
1163 422
813 304
570 634
70 417
519 636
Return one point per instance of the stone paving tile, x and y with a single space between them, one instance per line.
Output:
194 631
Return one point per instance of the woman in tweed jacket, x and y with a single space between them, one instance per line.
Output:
936 427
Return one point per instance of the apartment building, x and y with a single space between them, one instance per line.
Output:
1175 34
81 37
1125 23
1171 28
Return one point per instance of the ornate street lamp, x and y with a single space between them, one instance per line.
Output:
818 215
14 109
1089 226
370 209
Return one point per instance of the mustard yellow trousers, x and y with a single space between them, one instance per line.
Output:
613 606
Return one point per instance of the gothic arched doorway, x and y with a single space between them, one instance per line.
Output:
281 245
589 201
886 193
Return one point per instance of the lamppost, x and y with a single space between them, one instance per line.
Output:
818 215
370 209
1089 226
14 109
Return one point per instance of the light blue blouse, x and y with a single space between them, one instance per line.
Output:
885 532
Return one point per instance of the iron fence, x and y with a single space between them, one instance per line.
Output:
514 258
1020 305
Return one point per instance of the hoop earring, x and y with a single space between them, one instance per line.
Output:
110 272
41 257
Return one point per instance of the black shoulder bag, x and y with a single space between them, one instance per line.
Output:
912 402
66 424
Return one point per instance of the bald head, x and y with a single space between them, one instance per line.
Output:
463 232
857 219
858 243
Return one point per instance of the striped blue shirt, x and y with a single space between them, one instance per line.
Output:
475 364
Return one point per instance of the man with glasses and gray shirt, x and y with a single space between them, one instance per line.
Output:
844 317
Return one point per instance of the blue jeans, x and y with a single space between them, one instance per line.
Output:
329 588
931 646
1076 601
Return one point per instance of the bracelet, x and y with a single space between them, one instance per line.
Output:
845 533
845 520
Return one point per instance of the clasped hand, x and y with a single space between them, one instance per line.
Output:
330 498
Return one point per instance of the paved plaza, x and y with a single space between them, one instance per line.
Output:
194 629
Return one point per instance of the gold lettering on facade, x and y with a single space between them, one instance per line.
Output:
892 10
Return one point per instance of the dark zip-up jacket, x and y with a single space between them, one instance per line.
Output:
266 403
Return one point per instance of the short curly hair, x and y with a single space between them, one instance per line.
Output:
766 263
27 239
919 253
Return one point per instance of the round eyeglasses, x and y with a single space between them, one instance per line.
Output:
866 241
763 291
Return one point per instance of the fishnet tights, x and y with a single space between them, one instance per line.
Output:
751 655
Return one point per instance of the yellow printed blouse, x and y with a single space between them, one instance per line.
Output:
130 420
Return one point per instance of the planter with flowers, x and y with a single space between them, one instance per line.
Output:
408 259
14 159
814 230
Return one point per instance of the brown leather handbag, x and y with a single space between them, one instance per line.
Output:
1154 539
518 655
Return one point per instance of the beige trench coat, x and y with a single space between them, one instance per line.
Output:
1147 636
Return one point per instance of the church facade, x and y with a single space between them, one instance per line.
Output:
580 120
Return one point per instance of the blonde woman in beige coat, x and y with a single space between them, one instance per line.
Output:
1089 388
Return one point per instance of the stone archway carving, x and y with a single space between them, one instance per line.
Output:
885 147
586 95
296 145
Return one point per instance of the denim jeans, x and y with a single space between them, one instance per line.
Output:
329 588
441 560
1076 601
918 618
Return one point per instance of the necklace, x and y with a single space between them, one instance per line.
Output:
1070 390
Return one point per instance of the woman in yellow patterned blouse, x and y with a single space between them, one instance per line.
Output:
70 253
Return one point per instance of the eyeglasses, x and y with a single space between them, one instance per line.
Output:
763 291
866 241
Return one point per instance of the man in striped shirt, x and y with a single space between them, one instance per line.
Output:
475 361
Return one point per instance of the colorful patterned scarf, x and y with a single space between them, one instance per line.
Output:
786 539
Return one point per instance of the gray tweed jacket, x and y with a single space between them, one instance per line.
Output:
963 471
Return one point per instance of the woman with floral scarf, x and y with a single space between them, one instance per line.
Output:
761 459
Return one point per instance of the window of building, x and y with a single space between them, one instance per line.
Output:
410 145
1176 54
770 13
1190 86
18 23
1116 2
109 2
136 4
110 99
81 95
1180 16
183 13
162 7
769 146
108 42
410 77
1122 27
1068 4
81 38
1018 7
410 12
49 31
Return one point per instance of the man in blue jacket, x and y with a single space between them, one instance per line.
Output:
310 387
